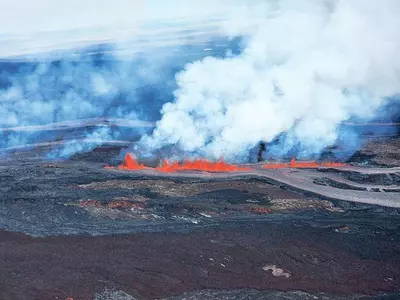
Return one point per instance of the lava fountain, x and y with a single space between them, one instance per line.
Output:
200 165
130 163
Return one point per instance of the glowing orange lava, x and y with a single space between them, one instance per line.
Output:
131 163
306 164
200 165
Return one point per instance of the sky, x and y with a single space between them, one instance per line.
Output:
26 26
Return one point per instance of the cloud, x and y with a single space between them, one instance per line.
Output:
73 60
307 66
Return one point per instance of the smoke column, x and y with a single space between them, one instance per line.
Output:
306 67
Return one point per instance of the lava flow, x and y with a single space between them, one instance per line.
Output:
294 164
200 165
131 163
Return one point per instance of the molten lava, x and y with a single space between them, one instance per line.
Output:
200 165
131 163
294 164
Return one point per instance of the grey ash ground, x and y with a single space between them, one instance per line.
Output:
75 229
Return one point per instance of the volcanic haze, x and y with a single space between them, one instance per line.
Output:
306 66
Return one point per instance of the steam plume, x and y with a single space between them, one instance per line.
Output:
307 66
75 60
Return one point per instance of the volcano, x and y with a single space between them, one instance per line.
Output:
312 213
229 222
91 225
188 228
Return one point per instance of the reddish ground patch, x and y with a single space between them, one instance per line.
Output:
111 204
157 265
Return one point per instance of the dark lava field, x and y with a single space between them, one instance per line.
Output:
74 229
79 89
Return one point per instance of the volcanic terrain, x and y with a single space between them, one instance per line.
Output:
98 97
73 228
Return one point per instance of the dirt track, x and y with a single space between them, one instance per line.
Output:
303 180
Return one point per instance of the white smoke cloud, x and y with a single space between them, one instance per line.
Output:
307 66
70 60
91 141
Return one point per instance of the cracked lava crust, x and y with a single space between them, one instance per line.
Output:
75 229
